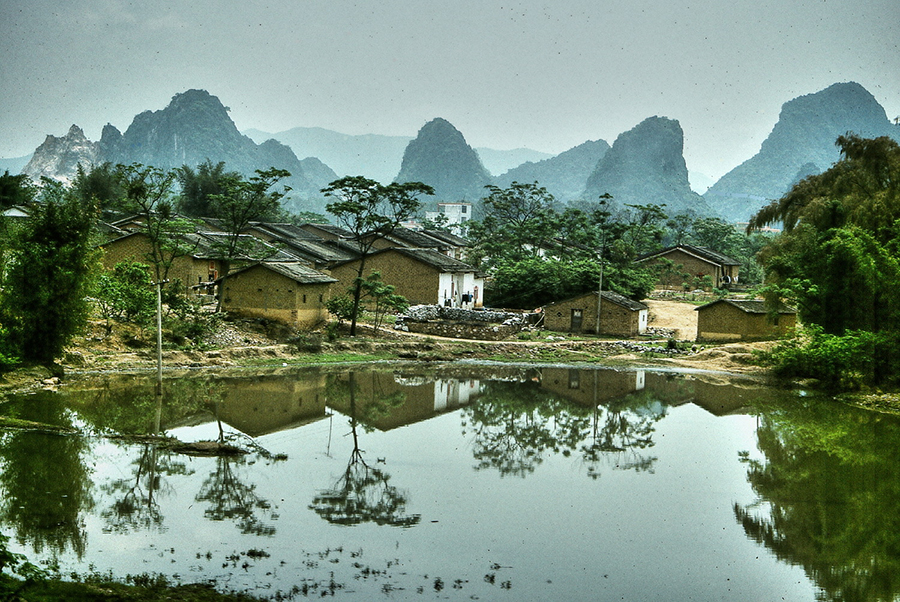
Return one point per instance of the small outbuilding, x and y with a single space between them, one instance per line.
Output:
743 320
696 262
423 276
619 315
289 292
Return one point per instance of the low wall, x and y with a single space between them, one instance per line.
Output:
456 330
459 323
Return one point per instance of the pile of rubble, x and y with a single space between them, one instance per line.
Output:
430 313
678 348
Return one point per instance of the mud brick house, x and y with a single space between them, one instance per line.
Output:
423 276
197 267
619 315
201 264
698 262
743 320
290 292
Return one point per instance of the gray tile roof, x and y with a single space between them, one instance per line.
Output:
703 252
611 297
296 271
750 306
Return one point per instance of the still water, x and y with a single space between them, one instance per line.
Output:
462 482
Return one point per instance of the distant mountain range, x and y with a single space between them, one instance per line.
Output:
14 165
374 155
194 127
802 143
644 165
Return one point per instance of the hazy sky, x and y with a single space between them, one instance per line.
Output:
508 74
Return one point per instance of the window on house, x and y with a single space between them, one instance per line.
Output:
304 298
320 298
464 208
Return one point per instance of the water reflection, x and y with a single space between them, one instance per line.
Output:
135 502
231 498
604 417
824 475
829 497
363 493
45 482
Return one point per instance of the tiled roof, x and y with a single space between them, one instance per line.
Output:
331 229
751 306
702 252
435 259
284 230
296 271
413 239
430 257
612 298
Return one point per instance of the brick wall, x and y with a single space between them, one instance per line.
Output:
615 319
260 292
724 322
416 281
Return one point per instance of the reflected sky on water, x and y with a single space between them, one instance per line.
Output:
462 482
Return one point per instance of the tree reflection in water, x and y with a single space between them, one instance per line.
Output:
516 423
619 431
829 497
231 499
45 484
362 493
135 505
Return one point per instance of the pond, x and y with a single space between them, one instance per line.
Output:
462 481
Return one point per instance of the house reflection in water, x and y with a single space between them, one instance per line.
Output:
593 387
263 404
387 400
266 404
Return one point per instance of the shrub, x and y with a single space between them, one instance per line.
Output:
846 362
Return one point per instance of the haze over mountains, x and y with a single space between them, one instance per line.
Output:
802 143
644 165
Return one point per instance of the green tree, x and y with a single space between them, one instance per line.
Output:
371 210
837 257
100 185
45 291
15 190
244 201
200 186
383 298
519 222
126 294
838 260
149 193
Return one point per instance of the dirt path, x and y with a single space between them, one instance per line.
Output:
677 315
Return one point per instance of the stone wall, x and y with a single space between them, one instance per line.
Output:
459 323
480 332
457 314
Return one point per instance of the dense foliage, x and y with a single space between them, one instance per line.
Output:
370 210
46 285
838 260
538 251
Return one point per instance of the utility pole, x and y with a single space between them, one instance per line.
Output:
604 198
599 292
159 284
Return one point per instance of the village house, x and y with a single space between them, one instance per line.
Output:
201 262
423 276
619 315
743 320
697 262
196 267
290 292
